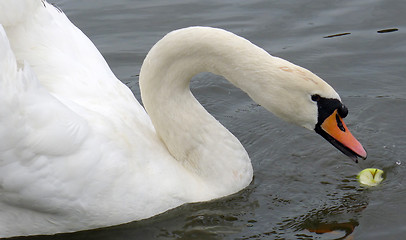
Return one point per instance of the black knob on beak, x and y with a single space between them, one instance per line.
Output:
342 111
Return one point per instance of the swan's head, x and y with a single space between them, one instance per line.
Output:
299 96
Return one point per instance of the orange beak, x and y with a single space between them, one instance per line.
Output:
339 135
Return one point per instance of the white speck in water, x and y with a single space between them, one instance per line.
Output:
398 162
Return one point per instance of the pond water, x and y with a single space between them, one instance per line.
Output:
303 187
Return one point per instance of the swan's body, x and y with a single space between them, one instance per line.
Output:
77 151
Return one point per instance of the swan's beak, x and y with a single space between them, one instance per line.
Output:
334 130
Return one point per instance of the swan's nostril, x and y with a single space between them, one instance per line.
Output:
340 123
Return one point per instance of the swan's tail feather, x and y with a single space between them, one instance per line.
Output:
5 50
12 79
14 12
10 86
8 64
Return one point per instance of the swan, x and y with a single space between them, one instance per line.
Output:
77 150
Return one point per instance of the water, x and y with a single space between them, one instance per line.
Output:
303 187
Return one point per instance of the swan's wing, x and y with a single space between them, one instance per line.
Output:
33 123
69 68
66 62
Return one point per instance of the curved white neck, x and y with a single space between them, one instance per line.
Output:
190 133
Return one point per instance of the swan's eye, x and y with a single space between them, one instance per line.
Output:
316 97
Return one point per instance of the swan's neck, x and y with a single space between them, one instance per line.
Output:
190 133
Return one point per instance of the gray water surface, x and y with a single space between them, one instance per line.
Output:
303 187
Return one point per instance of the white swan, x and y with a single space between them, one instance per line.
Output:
77 151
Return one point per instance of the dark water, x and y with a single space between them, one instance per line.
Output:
303 187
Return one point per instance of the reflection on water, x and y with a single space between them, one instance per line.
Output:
330 222
333 230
